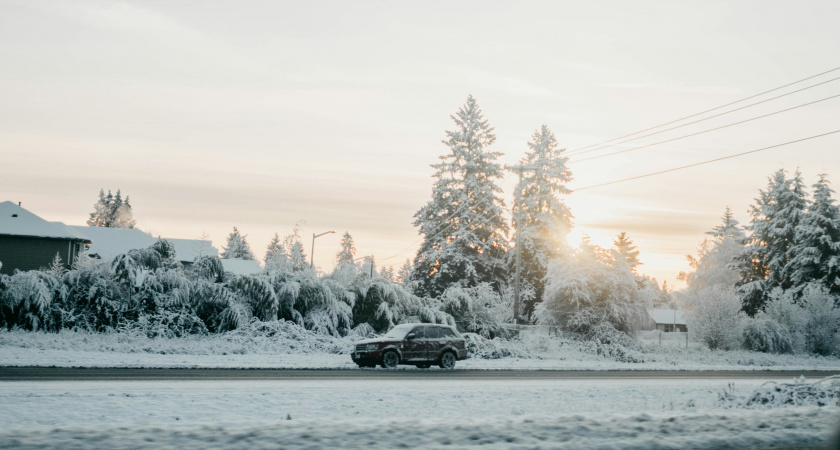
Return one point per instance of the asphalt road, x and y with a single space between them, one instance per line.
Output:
137 374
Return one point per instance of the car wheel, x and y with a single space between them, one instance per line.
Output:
447 360
423 366
390 360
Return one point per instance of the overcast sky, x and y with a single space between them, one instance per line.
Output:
264 114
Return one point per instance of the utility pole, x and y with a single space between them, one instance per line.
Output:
312 255
517 218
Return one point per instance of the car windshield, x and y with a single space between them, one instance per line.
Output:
399 331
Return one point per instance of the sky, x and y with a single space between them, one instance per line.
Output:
263 115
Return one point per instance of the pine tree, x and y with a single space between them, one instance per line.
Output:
276 257
404 274
626 251
297 257
111 211
387 273
713 265
541 219
237 247
347 253
815 256
763 263
463 226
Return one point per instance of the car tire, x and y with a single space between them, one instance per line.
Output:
423 366
390 359
447 360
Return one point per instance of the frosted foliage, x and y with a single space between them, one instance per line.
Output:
479 309
713 265
822 329
626 251
588 288
815 256
541 218
714 317
403 276
763 263
764 334
465 233
237 247
26 298
112 211
347 253
276 256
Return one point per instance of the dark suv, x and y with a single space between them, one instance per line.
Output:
419 344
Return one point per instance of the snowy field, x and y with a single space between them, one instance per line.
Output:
240 350
394 413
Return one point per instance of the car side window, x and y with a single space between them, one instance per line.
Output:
446 333
419 333
433 333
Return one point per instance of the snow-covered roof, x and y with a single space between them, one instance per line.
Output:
109 242
16 221
187 250
241 266
666 316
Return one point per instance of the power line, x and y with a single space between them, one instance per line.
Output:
709 110
704 131
704 162
575 153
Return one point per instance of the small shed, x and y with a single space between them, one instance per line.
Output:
28 242
668 320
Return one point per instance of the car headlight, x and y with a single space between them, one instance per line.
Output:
373 346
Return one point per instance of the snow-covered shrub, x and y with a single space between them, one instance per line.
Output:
822 331
481 347
714 317
314 302
604 340
764 334
588 288
26 299
822 392
258 294
168 324
209 268
479 309
94 302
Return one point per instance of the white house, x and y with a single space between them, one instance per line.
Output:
668 320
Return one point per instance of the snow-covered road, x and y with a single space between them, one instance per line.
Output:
388 413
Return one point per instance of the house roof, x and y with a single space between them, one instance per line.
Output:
241 266
188 250
109 242
17 221
666 316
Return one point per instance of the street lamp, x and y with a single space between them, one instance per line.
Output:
312 255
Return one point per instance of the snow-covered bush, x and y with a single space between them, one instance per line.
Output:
589 288
26 299
94 301
767 335
813 320
822 392
479 309
714 317
604 340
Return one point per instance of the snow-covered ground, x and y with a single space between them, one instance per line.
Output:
392 413
242 350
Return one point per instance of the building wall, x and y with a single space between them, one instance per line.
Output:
29 253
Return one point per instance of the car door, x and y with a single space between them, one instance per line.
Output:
413 348
435 343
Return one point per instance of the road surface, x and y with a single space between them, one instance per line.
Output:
132 374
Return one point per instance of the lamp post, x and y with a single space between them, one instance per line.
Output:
312 255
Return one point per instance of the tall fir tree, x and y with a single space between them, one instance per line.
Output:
541 219
815 256
237 247
111 211
626 251
713 265
463 226
276 257
347 253
404 274
763 263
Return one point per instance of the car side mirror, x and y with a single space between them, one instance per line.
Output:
410 336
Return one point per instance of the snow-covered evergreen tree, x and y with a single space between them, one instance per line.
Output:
367 268
541 220
297 257
763 263
404 274
276 257
815 255
463 226
112 211
626 251
237 247
387 273
347 253
714 262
